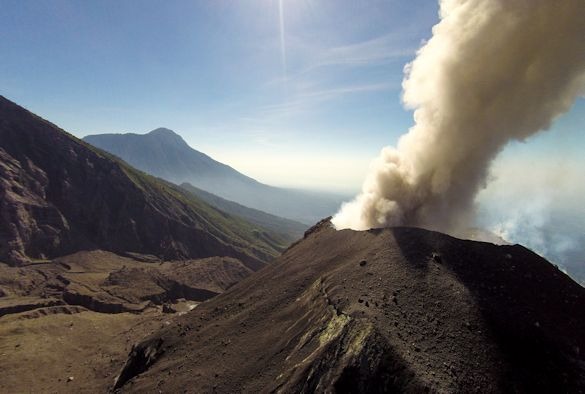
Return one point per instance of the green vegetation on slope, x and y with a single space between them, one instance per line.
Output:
186 205
61 196
288 230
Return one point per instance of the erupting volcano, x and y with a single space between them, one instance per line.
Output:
493 72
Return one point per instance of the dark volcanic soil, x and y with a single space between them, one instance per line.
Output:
78 316
107 283
378 311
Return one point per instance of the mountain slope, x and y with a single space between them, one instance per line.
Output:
392 310
75 315
287 229
59 195
163 153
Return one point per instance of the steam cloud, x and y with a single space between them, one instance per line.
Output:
493 71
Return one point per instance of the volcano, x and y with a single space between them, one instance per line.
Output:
385 310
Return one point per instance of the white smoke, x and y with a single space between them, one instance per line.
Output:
543 211
494 71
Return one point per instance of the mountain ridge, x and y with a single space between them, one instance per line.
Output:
385 310
128 150
163 153
289 230
60 195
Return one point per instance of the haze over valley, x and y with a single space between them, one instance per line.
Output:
165 154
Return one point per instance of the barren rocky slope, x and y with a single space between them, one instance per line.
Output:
59 195
104 282
393 310
74 319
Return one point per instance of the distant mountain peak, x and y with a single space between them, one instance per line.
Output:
166 136
163 132
164 154
58 196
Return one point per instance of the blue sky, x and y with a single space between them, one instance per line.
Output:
311 113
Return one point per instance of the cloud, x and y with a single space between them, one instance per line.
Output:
310 99
375 51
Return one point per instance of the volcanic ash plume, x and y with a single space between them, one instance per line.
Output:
493 71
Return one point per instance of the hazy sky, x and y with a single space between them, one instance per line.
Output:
297 92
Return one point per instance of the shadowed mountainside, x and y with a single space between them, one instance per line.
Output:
59 195
392 310
165 154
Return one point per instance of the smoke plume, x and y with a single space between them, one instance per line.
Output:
494 71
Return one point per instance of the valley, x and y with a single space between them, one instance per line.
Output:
164 153
79 316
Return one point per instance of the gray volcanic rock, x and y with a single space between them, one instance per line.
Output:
104 282
425 312
30 223
196 280
78 315
59 195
